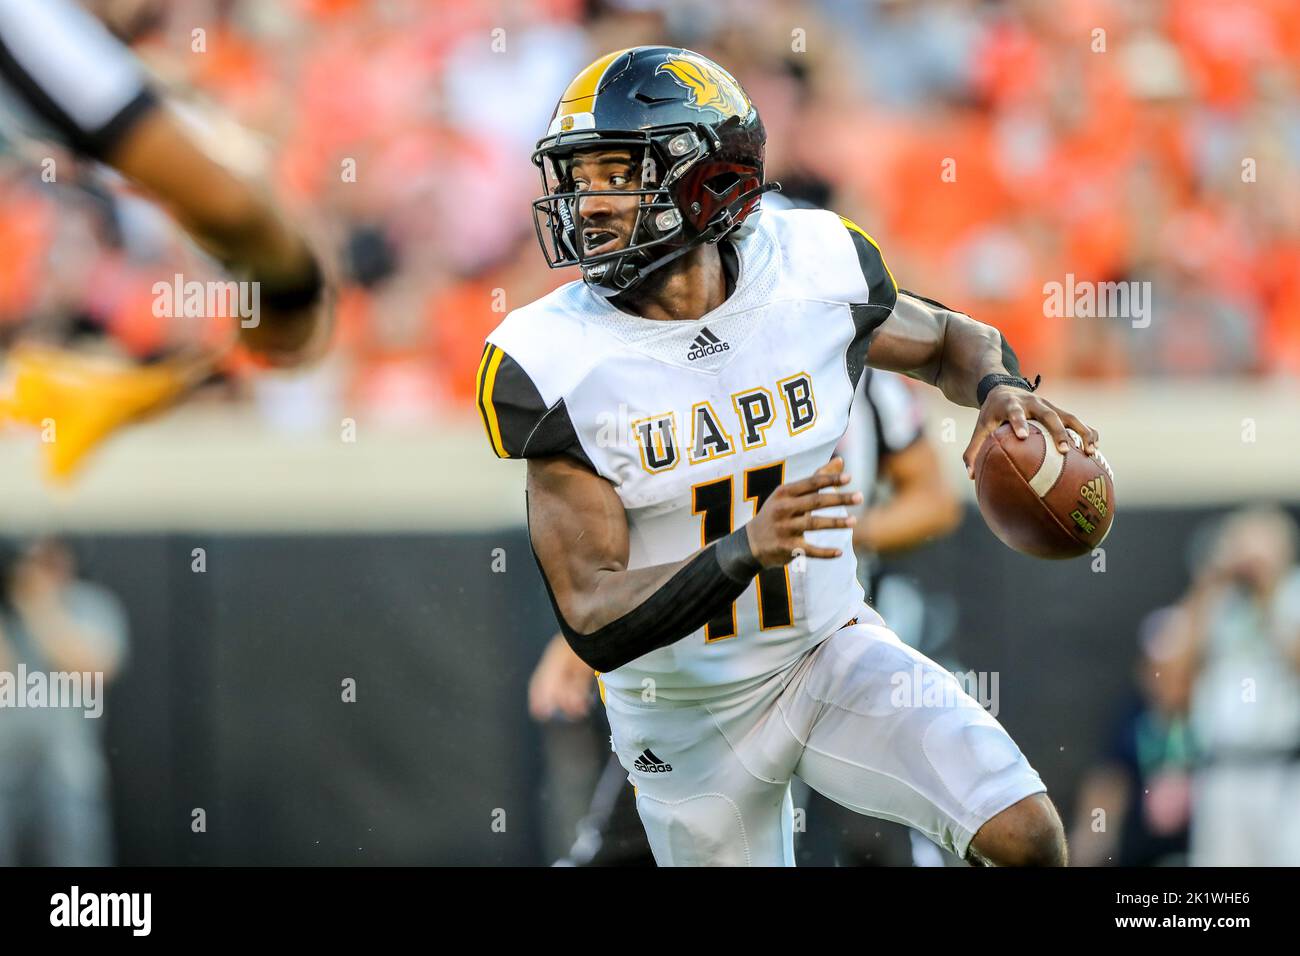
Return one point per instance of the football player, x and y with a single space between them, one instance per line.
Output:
679 408
885 445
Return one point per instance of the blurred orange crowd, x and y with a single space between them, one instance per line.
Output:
990 147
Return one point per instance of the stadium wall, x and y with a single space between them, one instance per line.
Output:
232 700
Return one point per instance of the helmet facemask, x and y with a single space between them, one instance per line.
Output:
661 230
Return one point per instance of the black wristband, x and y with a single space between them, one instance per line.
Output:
992 381
736 557
291 296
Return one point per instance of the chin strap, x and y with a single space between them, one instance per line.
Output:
721 224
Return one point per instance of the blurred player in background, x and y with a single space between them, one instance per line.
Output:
64 78
1240 626
753 659
1208 771
1134 806
54 808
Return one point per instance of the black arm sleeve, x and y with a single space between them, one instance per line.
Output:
687 601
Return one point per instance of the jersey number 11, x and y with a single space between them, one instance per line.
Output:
713 500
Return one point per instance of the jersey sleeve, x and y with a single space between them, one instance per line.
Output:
879 295
518 421
64 77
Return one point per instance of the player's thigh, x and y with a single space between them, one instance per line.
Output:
890 733
698 803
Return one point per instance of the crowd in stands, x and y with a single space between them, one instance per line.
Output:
991 148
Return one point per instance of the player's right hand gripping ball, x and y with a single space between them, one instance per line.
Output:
1040 501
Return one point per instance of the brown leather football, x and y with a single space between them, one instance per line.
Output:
1040 501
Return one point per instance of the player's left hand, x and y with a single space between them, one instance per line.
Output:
1006 403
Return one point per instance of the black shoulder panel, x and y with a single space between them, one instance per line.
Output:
518 422
882 294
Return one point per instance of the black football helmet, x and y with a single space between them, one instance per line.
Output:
697 137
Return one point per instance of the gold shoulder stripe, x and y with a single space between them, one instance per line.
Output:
486 379
850 224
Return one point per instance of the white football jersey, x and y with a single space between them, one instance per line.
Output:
696 423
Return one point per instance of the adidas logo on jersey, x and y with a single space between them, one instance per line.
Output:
1095 493
706 343
649 763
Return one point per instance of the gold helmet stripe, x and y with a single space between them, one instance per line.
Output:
580 97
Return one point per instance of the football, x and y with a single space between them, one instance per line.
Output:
1042 502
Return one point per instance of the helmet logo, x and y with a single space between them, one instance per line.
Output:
710 86
566 123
